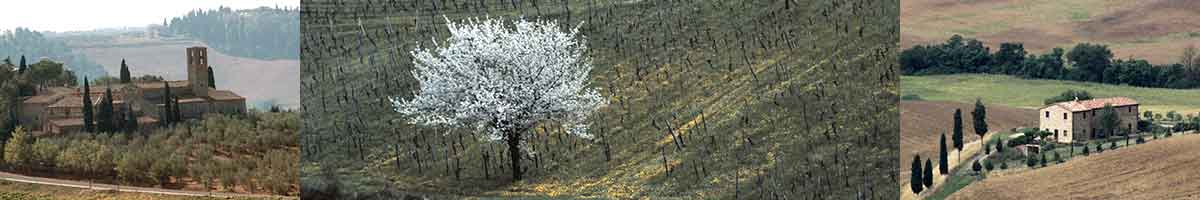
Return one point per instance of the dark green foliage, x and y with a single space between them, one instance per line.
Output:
1003 164
1030 161
265 33
105 121
958 130
1009 58
943 164
976 166
125 77
980 120
21 68
987 164
957 55
1100 147
1057 158
35 45
1069 95
911 97
1090 61
928 176
1000 145
131 123
1043 160
212 80
1087 149
88 115
916 181
1110 121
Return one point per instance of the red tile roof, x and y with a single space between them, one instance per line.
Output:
1086 105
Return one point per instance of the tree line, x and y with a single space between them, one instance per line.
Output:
31 46
1084 62
264 32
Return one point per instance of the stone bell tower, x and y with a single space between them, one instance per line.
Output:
197 58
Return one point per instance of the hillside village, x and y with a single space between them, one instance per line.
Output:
59 109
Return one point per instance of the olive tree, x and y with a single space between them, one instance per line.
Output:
503 79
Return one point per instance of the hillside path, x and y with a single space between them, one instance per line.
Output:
100 186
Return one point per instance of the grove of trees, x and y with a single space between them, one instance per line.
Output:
257 153
264 32
1084 62
31 46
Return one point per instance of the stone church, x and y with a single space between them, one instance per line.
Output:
57 110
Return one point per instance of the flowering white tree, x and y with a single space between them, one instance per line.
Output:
504 79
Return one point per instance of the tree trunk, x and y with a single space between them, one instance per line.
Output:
514 153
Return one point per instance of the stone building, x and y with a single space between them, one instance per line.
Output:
1078 121
58 110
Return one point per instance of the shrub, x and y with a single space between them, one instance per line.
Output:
987 164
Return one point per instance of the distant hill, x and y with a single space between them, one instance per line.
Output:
36 45
1156 30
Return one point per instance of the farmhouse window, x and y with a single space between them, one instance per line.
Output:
1064 115
1047 114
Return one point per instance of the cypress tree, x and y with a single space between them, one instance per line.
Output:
125 73
957 136
21 68
165 113
88 125
915 181
943 165
105 119
980 116
999 145
131 124
212 82
928 176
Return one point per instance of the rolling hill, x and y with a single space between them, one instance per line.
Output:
1159 169
1156 30
708 99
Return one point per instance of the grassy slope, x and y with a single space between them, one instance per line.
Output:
768 111
1159 169
1023 93
1155 30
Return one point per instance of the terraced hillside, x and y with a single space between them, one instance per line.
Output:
709 99
1156 30
1159 169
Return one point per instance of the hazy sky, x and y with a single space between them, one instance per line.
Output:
78 15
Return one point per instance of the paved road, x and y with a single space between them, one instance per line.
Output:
98 186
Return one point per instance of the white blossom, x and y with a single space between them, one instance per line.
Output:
503 77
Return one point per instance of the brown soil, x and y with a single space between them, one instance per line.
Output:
923 122
1155 30
1159 169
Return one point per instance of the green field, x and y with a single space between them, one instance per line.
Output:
1029 93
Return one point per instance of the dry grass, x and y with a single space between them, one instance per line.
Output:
1159 169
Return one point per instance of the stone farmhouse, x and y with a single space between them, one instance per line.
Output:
57 110
1077 121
